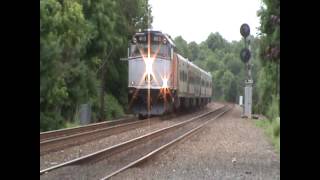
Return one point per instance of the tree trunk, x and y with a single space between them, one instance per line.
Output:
102 89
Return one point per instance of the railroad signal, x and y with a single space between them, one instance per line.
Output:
245 55
245 30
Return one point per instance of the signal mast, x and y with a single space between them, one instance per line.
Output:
245 56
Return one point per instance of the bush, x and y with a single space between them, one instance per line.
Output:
273 110
112 107
276 127
71 124
50 121
272 130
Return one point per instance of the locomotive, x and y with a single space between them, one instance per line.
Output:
160 80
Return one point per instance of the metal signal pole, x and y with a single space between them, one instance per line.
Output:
245 55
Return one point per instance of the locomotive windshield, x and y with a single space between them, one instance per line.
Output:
158 46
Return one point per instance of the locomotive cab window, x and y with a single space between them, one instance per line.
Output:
158 46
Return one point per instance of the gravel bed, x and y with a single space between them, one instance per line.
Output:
227 148
69 153
102 168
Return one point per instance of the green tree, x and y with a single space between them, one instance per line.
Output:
80 42
269 51
182 47
64 33
194 50
216 41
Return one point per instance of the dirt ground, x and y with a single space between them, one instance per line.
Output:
226 148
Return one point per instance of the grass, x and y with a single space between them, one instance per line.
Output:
71 124
272 130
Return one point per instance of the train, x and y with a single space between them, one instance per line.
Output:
160 80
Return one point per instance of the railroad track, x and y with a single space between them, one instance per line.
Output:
90 133
112 160
44 136
60 139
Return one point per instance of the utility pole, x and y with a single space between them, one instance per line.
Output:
245 55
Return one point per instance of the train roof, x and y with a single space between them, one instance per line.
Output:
159 33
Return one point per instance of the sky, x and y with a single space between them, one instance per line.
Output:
194 20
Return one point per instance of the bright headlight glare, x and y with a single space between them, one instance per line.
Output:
149 66
164 82
164 41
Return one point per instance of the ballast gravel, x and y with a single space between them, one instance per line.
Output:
73 152
227 148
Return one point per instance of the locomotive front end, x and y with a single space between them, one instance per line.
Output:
150 73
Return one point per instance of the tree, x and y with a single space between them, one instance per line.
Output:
215 41
76 37
226 81
64 33
194 50
235 66
269 51
182 47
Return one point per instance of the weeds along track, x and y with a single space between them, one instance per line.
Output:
66 154
112 160
76 136
44 136
54 141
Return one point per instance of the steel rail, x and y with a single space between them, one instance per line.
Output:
69 131
59 143
149 155
128 144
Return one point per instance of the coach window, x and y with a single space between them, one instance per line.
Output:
184 76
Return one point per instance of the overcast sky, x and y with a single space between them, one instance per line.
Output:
194 20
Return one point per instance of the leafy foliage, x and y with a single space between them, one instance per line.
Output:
114 109
268 78
182 46
76 37
272 130
221 58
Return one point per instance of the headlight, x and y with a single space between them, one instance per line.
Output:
164 83
134 40
164 41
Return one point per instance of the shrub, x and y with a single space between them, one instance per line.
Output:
273 110
50 121
272 130
112 107
71 124
276 127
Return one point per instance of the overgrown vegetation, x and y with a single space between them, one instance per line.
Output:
272 130
77 37
114 109
72 124
269 77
